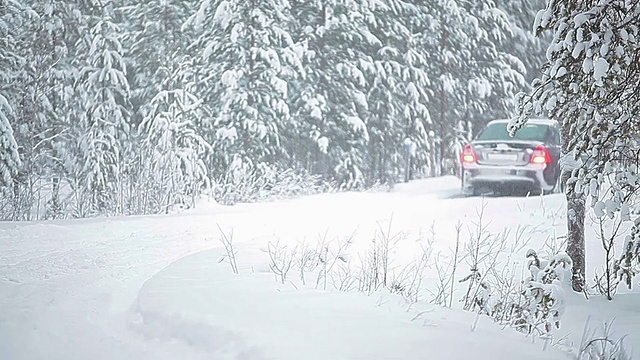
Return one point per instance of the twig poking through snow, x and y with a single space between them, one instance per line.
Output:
602 347
281 259
230 257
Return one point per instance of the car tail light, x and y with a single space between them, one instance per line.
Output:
468 155
540 155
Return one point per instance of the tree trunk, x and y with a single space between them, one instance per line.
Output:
443 96
407 166
55 198
432 156
575 238
16 198
575 222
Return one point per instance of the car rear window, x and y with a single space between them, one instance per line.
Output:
529 132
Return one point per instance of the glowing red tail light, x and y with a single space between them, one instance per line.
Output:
540 155
468 155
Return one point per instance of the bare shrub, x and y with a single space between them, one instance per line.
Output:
606 283
342 276
497 284
331 254
379 187
446 266
481 254
230 256
328 260
408 281
603 345
507 279
383 242
375 264
281 259
307 260
246 183
368 275
63 194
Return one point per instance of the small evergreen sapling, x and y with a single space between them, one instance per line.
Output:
544 302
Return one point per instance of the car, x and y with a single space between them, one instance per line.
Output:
528 162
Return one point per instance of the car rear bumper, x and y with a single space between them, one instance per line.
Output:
529 177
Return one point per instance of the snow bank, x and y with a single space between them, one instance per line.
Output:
250 316
624 311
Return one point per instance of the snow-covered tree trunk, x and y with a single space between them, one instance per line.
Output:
575 233
575 216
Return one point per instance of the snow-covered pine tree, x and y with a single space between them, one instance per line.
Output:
9 63
12 79
166 170
46 33
590 82
495 76
156 46
176 166
445 38
9 158
104 124
330 103
399 92
473 76
523 43
247 59
67 26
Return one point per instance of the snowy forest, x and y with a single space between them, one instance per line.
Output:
129 107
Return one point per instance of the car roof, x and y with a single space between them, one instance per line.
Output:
548 122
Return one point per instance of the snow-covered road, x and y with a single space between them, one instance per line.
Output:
65 289
73 289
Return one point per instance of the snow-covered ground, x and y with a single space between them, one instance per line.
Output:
153 287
